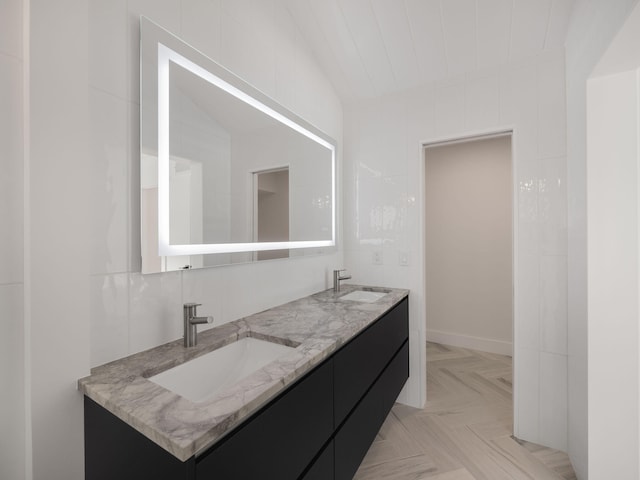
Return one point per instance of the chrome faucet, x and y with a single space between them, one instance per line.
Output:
190 321
337 278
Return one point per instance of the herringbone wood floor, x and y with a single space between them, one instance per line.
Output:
465 430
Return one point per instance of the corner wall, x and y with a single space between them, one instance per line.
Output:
12 341
613 257
591 30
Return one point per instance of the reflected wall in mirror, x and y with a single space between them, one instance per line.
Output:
227 174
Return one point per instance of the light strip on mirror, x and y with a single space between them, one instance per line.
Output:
165 56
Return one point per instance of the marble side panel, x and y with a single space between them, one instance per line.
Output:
315 326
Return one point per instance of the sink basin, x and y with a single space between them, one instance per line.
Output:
366 296
202 378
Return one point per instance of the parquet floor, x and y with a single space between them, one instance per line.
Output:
465 430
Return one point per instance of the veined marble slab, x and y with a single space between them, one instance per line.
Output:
316 326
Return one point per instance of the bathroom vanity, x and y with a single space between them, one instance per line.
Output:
311 413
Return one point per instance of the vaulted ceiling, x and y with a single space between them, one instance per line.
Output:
372 47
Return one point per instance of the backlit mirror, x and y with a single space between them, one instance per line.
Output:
227 174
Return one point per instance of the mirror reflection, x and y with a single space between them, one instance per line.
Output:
227 174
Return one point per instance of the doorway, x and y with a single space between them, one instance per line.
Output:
271 210
469 286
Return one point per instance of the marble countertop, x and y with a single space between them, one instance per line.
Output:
316 326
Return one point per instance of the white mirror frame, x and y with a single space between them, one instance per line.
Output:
233 85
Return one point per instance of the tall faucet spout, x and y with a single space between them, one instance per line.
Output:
337 277
191 320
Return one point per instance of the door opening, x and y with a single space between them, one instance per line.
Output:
271 210
469 287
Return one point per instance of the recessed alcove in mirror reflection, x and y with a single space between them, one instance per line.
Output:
208 139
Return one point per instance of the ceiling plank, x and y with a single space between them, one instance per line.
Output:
460 35
427 30
394 25
494 32
362 23
530 21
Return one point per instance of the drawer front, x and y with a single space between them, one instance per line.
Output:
359 363
353 440
322 468
280 441
113 449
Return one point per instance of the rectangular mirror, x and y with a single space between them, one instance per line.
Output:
227 174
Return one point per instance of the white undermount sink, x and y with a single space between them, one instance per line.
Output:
366 296
202 378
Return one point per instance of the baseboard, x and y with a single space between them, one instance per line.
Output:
475 343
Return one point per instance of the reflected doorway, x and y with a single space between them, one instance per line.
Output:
271 210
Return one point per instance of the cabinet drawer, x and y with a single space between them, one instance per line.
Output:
359 430
281 440
113 449
322 468
359 362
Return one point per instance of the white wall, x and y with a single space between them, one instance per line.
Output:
383 159
593 25
468 244
613 256
57 234
85 302
12 387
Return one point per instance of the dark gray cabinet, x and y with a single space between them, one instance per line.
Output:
359 363
355 436
282 440
320 428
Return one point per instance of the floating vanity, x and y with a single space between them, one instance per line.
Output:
298 391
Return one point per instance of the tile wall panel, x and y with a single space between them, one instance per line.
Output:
527 96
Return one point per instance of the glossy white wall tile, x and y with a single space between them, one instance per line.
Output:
527 391
527 302
514 96
553 400
13 374
552 205
57 247
553 304
482 102
12 379
109 317
552 105
518 98
11 166
11 28
109 183
450 103
155 310
528 190
108 35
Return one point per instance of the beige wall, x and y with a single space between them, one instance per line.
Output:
273 211
469 244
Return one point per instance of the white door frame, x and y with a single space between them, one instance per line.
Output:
466 137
